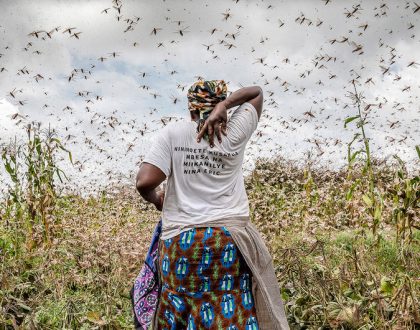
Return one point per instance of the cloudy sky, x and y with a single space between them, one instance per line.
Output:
121 72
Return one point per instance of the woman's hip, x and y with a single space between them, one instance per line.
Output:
203 259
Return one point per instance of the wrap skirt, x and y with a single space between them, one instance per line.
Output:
206 283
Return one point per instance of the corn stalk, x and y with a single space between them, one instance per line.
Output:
34 192
372 198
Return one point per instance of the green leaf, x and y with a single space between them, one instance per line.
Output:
353 156
349 194
8 168
367 200
60 170
386 285
418 151
59 176
378 212
95 318
349 120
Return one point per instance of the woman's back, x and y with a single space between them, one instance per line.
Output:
204 183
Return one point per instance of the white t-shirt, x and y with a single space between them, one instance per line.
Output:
203 183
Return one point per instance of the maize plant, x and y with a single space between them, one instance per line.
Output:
33 190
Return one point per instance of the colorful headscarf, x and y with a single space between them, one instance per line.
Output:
203 95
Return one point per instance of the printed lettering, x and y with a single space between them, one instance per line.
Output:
203 161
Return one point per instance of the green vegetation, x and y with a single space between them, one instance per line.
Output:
335 272
68 262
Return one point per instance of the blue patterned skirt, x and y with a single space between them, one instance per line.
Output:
206 282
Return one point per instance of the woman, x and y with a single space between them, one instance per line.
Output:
209 251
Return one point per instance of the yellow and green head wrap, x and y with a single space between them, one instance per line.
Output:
203 96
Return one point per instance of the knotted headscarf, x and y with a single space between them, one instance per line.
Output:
203 95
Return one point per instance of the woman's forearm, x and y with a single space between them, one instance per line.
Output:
241 96
150 196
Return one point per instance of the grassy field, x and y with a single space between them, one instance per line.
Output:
343 258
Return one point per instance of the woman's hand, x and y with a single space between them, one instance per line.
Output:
160 198
216 122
